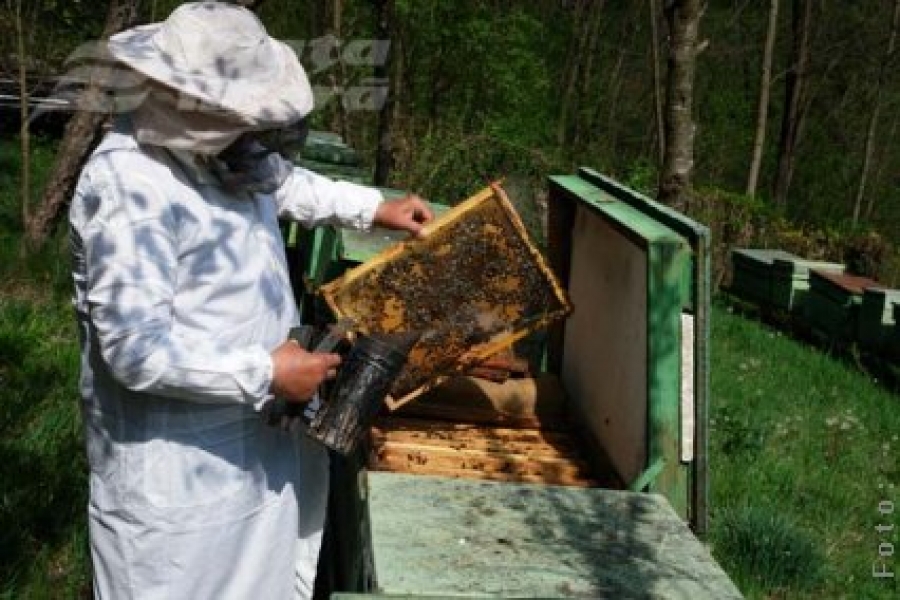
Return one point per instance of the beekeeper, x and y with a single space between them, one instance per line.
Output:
183 304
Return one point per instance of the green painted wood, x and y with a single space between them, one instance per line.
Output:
443 537
325 136
626 216
698 286
680 223
831 309
376 596
790 281
670 270
752 273
893 344
665 301
357 247
876 318
327 147
337 171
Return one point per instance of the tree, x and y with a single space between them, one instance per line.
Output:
83 131
874 116
585 24
388 69
683 20
24 98
795 98
81 134
762 114
657 81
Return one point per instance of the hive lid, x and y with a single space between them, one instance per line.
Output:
851 284
761 256
474 285
801 267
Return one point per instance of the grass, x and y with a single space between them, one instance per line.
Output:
43 499
803 449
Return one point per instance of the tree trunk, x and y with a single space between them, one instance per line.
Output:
339 125
82 132
683 19
657 81
795 91
874 117
587 74
576 54
614 88
389 70
24 132
889 143
762 114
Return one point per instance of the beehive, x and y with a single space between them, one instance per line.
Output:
833 303
471 287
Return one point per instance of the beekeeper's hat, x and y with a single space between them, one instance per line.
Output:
221 55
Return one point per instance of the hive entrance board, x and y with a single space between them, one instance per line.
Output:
473 286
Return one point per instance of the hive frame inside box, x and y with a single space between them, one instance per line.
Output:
478 352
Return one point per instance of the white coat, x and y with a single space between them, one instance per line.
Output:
181 293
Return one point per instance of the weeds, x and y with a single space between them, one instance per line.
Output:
761 547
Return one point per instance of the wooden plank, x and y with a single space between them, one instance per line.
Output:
605 361
424 440
565 480
448 429
537 402
416 455
461 537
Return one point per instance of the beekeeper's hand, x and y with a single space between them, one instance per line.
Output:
297 374
409 213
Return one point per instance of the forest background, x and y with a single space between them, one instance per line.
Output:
795 121
787 138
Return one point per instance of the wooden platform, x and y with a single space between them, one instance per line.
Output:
440 537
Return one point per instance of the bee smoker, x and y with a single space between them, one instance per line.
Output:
363 380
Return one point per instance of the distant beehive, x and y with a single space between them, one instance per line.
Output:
472 287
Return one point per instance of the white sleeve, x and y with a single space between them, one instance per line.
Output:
312 199
131 260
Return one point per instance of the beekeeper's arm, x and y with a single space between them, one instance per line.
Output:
129 238
312 199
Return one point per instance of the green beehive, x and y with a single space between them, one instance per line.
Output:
832 307
876 318
632 362
790 281
752 273
328 148
893 345
634 365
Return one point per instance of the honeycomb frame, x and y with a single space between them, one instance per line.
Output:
445 279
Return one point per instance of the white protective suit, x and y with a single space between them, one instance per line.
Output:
181 293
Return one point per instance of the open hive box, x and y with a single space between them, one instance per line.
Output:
618 403
620 396
473 286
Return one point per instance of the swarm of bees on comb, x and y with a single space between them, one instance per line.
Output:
472 287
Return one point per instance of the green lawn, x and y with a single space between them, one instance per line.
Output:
42 503
804 452
803 449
